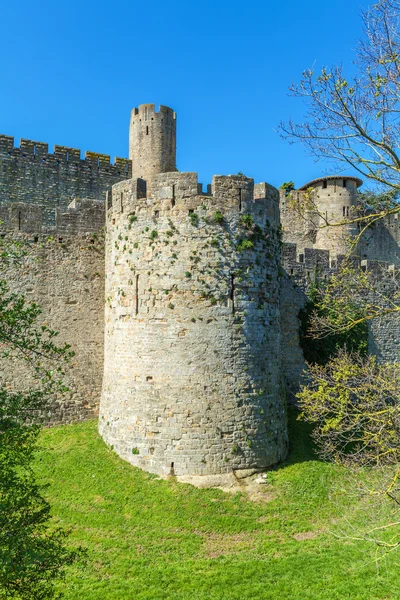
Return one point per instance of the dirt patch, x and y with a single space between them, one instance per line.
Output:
307 535
217 544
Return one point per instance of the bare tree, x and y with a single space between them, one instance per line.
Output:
355 122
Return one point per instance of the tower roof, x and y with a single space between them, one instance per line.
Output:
358 181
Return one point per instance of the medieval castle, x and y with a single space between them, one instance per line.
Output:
186 354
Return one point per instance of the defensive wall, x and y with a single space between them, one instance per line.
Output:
304 267
336 200
62 271
192 312
31 175
54 203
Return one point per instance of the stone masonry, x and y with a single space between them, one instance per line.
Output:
192 369
202 293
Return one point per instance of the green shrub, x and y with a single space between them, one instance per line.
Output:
244 244
247 221
218 217
194 219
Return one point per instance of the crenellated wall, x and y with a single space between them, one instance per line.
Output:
192 335
31 175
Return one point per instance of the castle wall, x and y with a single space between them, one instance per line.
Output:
192 334
64 274
384 331
380 241
297 228
305 266
31 175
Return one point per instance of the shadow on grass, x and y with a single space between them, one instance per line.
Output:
301 445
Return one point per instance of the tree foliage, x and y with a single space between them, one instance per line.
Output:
354 404
321 343
353 122
32 553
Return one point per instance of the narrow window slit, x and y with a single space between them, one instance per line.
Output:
240 199
173 202
232 294
19 221
137 295
109 200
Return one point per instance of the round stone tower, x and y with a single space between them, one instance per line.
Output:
336 199
152 141
192 336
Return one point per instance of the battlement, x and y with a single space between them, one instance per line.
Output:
30 174
147 112
179 193
34 150
299 261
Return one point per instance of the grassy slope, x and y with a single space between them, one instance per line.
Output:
155 539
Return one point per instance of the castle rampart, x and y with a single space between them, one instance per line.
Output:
31 175
306 266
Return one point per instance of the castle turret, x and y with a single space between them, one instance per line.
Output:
152 141
327 227
336 199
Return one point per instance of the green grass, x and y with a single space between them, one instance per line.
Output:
153 539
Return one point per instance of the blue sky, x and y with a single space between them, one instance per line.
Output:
72 71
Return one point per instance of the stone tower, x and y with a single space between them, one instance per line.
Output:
335 198
192 330
152 141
